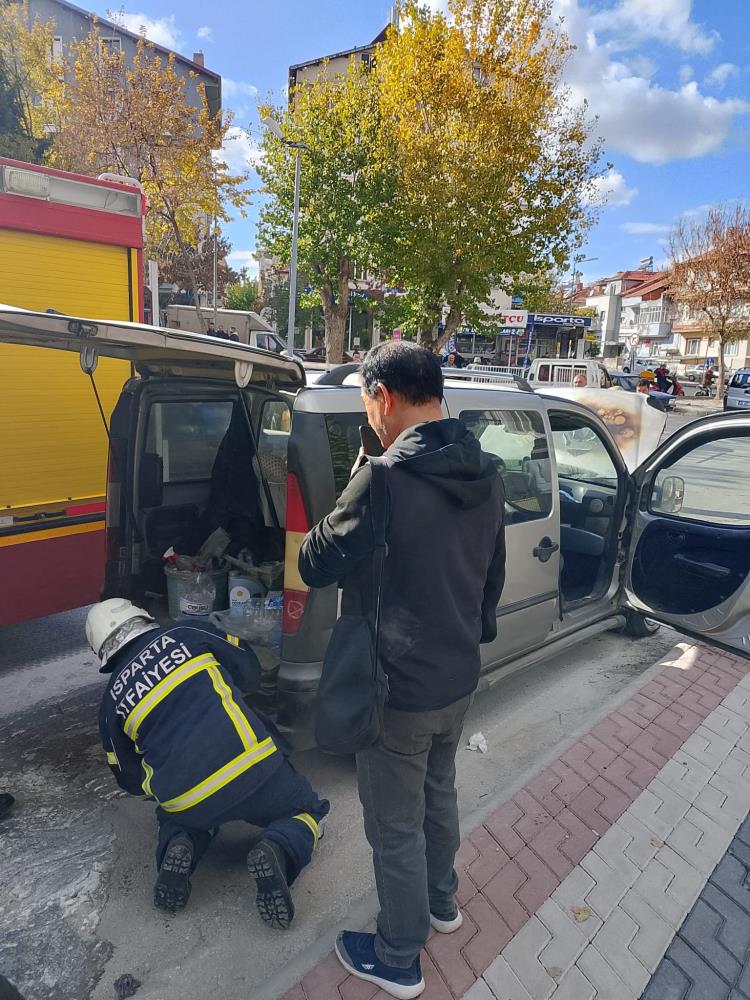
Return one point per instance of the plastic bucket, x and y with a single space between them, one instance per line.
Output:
177 576
241 589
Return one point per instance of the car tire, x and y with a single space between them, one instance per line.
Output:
691 378
638 626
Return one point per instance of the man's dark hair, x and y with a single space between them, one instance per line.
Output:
644 381
409 371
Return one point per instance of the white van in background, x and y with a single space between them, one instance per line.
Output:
563 371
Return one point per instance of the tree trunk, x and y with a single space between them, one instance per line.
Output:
720 383
452 324
335 311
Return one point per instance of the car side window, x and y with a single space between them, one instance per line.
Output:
704 484
273 445
517 443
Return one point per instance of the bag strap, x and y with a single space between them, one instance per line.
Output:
379 514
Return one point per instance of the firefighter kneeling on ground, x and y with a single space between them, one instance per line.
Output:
175 727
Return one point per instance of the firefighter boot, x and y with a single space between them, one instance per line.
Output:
266 863
172 889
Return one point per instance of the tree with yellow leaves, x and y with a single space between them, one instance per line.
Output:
132 117
27 72
494 162
342 189
710 276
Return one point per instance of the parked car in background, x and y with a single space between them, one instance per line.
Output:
564 371
319 354
737 394
694 373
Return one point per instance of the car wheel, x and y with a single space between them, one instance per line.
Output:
691 378
637 626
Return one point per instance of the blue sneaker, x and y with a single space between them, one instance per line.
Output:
356 952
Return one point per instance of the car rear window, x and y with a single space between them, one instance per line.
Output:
187 436
344 442
741 380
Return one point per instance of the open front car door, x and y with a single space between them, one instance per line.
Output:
688 562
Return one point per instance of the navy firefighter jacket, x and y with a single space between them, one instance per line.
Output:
175 727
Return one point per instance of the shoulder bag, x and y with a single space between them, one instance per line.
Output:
353 686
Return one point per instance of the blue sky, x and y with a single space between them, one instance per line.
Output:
668 79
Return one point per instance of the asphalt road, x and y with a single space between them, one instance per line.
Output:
77 856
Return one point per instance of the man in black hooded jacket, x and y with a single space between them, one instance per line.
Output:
444 573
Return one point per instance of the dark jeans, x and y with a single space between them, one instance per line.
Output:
285 807
407 787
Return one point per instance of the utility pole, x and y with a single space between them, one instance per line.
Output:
275 129
292 316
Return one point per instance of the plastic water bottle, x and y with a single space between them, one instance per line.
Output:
198 596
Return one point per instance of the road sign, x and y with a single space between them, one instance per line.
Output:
633 340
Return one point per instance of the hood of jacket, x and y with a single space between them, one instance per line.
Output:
447 454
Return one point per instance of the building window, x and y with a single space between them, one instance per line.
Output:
112 46
730 350
692 347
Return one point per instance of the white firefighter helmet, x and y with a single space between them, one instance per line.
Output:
118 620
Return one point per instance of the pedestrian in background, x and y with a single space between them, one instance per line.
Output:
444 572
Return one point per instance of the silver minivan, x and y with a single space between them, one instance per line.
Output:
212 433
737 392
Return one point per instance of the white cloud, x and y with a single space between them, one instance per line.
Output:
244 258
237 88
650 123
720 74
686 73
611 189
238 151
161 30
205 32
665 21
644 228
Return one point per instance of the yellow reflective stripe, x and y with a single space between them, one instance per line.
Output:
233 710
234 639
311 824
112 758
165 687
149 773
216 781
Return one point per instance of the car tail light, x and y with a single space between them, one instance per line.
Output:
297 526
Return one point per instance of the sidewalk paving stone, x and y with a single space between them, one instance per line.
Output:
575 887
709 957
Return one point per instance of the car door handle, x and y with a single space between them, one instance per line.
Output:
545 548
712 570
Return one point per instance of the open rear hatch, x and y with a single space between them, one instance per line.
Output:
197 443
151 350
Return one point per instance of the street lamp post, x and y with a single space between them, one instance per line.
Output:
576 261
274 128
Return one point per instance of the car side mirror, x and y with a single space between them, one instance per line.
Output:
151 480
669 495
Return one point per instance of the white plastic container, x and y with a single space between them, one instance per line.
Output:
180 581
241 589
